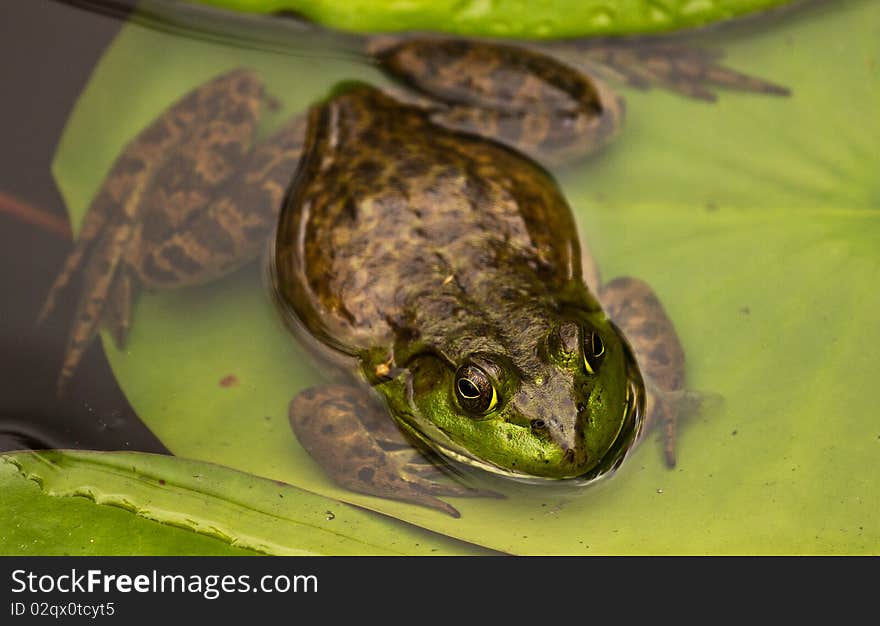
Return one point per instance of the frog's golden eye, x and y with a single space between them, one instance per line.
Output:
594 350
474 390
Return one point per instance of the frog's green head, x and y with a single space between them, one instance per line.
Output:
566 402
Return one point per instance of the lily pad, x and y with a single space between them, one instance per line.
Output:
34 523
755 218
201 509
509 18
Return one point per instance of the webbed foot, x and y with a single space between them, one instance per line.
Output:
688 70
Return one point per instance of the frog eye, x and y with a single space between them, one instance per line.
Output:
474 390
594 350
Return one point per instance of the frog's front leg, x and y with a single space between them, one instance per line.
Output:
637 311
352 437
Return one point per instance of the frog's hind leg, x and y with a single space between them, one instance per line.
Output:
117 314
160 182
92 227
635 308
356 442
688 70
120 195
518 96
100 253
106 297
233 228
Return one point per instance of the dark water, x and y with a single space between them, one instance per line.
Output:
49 51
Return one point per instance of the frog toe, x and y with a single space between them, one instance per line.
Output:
690 71
419 491
666 409
428 492
447 487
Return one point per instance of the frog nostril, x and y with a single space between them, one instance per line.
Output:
564 340
538 424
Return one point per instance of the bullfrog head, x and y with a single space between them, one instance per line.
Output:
563 401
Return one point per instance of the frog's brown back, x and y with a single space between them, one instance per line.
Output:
391 219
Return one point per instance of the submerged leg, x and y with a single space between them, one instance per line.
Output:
119 198
635 308
515 95
161 182
356 442
232 229
103 272
117 315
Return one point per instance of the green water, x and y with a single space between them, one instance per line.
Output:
755 218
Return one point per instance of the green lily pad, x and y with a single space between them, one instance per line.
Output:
201 509
34 523
509 18
755 218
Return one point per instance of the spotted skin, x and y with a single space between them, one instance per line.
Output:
228 231
520 97
187 201
112 221
344 428
432 203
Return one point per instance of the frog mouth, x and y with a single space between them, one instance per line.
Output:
629 433
632 422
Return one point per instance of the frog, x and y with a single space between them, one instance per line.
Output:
417 243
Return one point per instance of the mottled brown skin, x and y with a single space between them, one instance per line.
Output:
190 199
187 201
523 98
348 431
385 168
